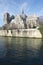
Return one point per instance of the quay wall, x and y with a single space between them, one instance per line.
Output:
21 33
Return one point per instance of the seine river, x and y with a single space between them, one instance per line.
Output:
21 51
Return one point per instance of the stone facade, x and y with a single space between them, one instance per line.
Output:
21 21
31 21
18 22
7 18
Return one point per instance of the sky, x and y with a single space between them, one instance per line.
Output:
15 7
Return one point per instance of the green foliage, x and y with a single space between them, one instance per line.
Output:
41 30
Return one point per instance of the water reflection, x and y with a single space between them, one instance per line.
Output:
19 49
20 45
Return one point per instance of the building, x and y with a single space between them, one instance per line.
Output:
32 21
21 21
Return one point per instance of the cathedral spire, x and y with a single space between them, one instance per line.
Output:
22 10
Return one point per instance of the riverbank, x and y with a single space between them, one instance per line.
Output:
30 33
41 30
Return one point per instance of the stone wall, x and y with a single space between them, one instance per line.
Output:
21 33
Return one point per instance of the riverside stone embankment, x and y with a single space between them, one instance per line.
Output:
32 33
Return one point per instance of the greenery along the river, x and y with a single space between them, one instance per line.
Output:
41 30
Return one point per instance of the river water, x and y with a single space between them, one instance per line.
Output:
21 51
